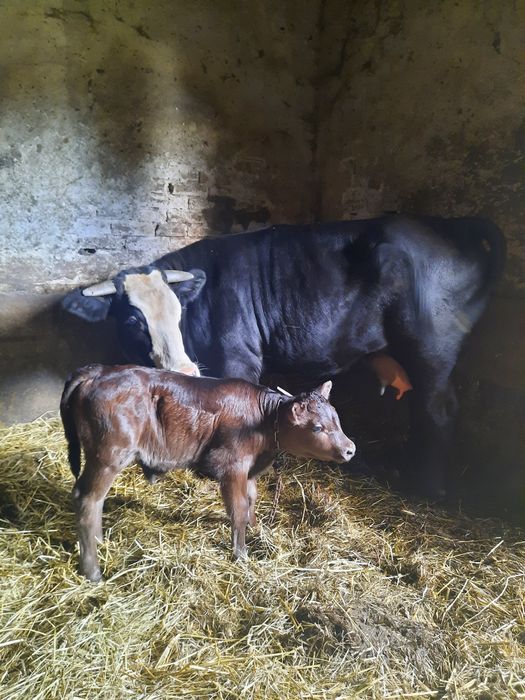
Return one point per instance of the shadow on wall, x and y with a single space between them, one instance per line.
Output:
39 349
195 114
117 95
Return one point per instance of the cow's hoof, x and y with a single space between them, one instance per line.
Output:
431 492
427 485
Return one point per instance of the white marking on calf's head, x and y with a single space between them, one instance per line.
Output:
162 311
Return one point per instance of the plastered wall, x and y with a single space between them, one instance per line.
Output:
422 109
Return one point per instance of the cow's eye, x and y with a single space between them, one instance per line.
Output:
131 321
317 428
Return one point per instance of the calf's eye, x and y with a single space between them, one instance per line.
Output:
317 428
131 321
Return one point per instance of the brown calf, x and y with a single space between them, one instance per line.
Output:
228 430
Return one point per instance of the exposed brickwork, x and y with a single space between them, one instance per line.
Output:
118 142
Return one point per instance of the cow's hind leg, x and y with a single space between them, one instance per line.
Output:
88 495
433 411
234 490
429 361
433 408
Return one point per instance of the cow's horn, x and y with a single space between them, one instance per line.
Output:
101 289
177 276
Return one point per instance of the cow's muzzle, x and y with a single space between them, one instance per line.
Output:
190 369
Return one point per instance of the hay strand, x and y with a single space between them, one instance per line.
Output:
351 592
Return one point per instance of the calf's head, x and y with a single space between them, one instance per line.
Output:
309 427
147 311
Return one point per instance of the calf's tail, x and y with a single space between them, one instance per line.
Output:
66 413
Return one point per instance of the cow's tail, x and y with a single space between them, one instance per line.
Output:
401 261
66 413
481 239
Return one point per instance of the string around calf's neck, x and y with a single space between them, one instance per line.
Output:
276 427
285 394
277 465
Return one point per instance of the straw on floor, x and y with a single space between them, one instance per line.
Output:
350 592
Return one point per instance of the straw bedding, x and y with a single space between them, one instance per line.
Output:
350 592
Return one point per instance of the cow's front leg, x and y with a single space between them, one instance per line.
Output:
234 490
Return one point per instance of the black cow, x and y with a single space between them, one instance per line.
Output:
315 299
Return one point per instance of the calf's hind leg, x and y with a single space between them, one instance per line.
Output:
252 497
88 495
234 490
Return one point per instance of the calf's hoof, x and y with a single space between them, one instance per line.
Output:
240 554
93 575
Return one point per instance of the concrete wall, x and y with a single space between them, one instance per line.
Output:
421 109
129 129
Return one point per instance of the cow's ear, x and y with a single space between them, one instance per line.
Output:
87 308
190 289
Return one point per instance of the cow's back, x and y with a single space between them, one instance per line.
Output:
315 299
277 293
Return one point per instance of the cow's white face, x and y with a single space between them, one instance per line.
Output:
162 312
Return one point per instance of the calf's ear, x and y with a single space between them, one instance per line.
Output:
90 309
299 409
189 290
324 390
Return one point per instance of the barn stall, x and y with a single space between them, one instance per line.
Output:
129 131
